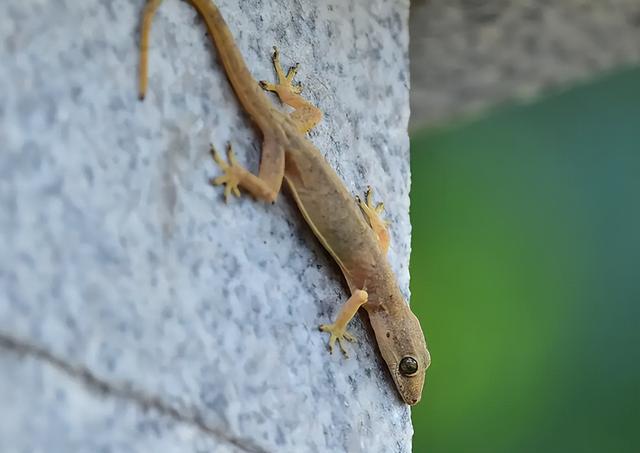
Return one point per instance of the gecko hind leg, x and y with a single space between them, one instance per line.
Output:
372 213
338 330
305 114
235 176
267 183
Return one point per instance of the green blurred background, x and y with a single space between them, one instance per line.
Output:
525 275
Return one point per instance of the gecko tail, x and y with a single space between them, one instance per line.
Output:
149 11
245 86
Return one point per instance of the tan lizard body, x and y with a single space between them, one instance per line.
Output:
357 244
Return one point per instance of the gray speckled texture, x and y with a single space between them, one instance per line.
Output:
137 310
467 55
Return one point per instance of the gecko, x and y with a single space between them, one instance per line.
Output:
349 228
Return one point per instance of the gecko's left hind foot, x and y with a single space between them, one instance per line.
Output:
372 213
305 115
338 334
232 172
285 85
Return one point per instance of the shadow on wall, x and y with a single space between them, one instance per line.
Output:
526 253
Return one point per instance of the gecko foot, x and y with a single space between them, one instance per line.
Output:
339 334
305 115
285 86
372 212
232 172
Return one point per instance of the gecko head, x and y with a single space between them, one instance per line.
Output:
404 349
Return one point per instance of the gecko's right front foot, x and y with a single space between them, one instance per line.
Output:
338 333
338 329
232 172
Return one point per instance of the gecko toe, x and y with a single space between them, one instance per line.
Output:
342 348
231 174
337 334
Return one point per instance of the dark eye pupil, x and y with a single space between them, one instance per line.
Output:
408 366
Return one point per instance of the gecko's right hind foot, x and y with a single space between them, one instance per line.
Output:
232 173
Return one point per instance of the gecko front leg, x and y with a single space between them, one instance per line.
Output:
306 115
338 330
372 213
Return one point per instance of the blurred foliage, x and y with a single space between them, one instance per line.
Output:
525 275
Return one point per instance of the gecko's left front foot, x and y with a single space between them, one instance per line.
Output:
377 223
232 172
338 333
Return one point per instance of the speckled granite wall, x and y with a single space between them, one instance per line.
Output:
467 55
140 313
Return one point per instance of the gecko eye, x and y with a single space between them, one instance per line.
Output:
408 366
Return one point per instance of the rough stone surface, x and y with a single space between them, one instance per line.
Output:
140 313
467 55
